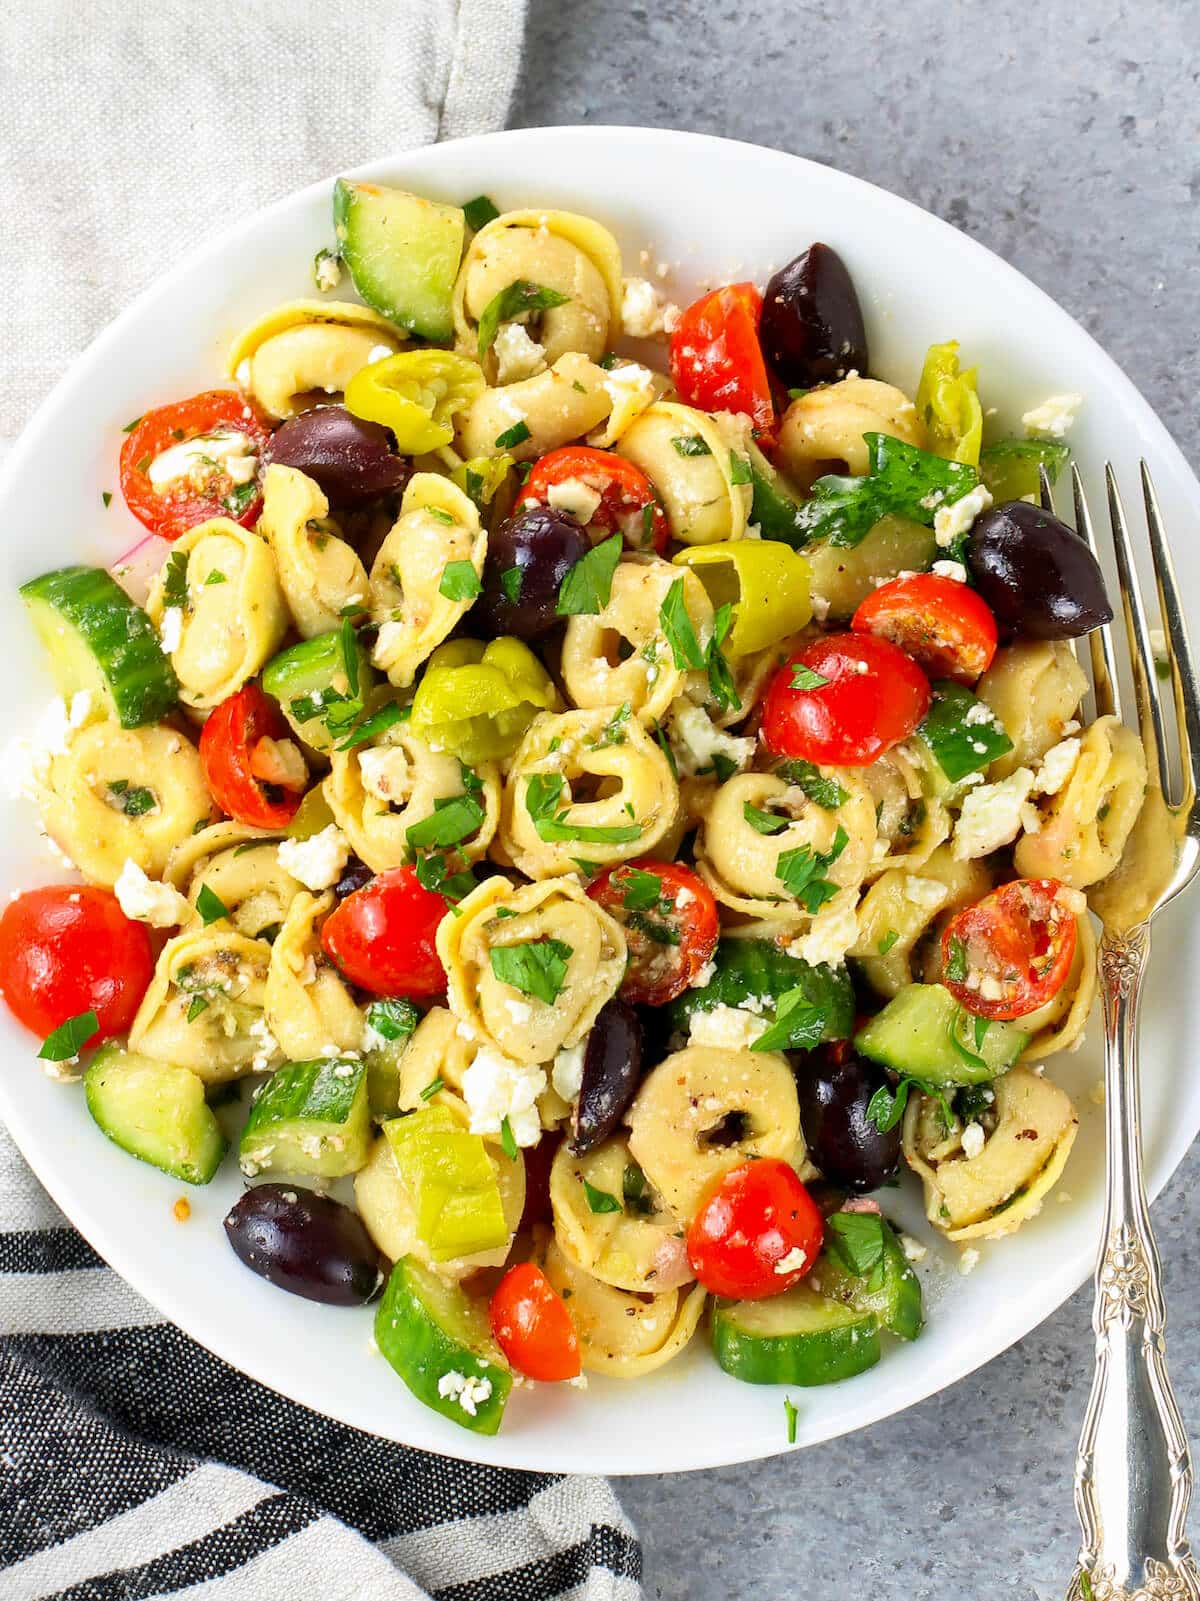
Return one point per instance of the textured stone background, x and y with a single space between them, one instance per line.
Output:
1067 138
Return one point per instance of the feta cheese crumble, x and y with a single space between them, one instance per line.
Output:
517 355
950 569
230 452
973 1140
729 1027
148 901
495 1088
384 772
468 1392
1057 766
695 741
913 1249
577 499
992 815
927 892
567 1073
830 935
318 861
630 387
1053 417
951 521
968 1261
792 1262
644 313
170 632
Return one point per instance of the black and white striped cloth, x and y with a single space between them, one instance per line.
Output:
134 1465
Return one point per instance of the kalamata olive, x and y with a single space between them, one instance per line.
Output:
812 324
354 875
612 1071
542 545
305 1243
353 461
835 1087
1036 573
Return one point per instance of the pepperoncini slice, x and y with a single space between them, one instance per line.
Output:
451 1181
476 701
481 476
417 394
766 583
948 405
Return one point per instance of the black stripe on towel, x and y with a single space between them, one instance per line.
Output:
46 1251
605 1548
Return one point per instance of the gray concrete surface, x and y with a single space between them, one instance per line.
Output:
1065 137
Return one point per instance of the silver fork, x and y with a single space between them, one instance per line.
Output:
1133 1470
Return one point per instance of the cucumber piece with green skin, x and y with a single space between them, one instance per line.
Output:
390 1025
99 640
798 1337
428 1330
749 969
312 1117
954 740
156 1111
924 1033
772 508
312 686
1009 468
402 253
896 1298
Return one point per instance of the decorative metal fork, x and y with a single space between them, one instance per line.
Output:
1133 1471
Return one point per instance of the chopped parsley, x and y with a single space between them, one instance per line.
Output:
130 426
210 905
536 967
805 678
175 579
826 792
239 497
453 819
106 497
640 891
799 872
134 802
516 435
857 1241
677 626
888 940
633 1191
197 1005
763 822
431 1089
799 1024
739 469
956 960
587 587
215 577
433 874
68 1039
886 1106
511 580
514 301
901 479
600 1201
479 212
542 792
460 581
790 1413
508 1139
376 724
393 1018
691 445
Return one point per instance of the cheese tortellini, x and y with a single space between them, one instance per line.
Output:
308 1005
321 575
1034 687
689 459
204 1006
1085 824
823 430
301 353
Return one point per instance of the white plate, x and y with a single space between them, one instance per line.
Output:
719 211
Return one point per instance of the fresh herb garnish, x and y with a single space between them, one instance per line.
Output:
956 960
460 581
376 724
640 891
720 676
516 435
536 967
723 766
106 497
825 792
857 1241
175 579
453 819
433 874
633 1190
789 1412
431 1089
652 928
511 580
805 678
648 511
197 1005
888 940
799 1024
886 1106
901 480
739 469
542 791
691 445
69 1038
210 905
514 301
214 577
587 587
763 822
393 1018
239 497
508 1139
600 1200
133 802
479 212
130 426
677 626
799 872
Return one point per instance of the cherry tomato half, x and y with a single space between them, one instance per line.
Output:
670 922
716 359
863 696
383 936
237 752
533 1327
204 487
945 626
1012 951
758 1232
628 505
68 949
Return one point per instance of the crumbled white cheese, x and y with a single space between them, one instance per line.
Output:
1052 418
577 499
384 772
224 450
830 935
495 1088
951 521
991 815
266 1046
706 974
729 1027
327 271
317 861
148 901
567 1073
792 1262
644 313
376 353
695 741
517 355
171 631
390 635
973 1140
950 569
26 760
820 607
927 892
968 1261
630 387
913 1249
1057 766
980 714
468 1392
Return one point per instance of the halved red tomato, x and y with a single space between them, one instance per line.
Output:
1011 952
195 459
844 700
243 747
628 505
670 922
383 937
758 1231
944 625
717 360
533 1326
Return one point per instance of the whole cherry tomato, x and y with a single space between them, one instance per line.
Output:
68 949
249 766
216 477
716 359
628 505
844 700
1011 952
944 625
670 922
533 1327
758 1232
383 936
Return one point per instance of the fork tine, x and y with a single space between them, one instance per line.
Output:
1145 686
1183 673
1100 641
1046 489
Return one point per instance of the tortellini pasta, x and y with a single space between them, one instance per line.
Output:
635 1247
301 353
251 885
910 820
530 981
527 418
1084 825
585 783
85 798
186 857
1034 687
438 526
690 461
1058 1026
321 575
822 431
230 606
901 907
204 1006
308 1005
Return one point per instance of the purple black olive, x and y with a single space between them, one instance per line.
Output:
1036 573
305 1243
612 1071
529 555
812 324
355 875
353 461
835 1087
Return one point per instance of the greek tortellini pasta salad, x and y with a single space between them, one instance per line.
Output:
578 822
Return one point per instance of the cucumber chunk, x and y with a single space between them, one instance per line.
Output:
924 1033
1009 468
750 969
962 733
312 1117
798 1337
312 686
391 1023
892 1291
98 640
156 1111
402 253
434 1336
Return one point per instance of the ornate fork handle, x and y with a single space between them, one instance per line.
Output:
1133 1471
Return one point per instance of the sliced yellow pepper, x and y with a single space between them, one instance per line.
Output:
451 1181
313 816
476 701
766 582
481 476
417 394
948 404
